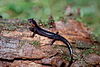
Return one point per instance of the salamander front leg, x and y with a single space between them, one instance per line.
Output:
52 42
33 35
33 30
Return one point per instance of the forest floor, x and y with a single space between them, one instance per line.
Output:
19 49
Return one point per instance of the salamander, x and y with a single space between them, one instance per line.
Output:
55 36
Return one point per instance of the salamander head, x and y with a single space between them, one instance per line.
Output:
33 22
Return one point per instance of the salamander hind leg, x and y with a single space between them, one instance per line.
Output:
53 39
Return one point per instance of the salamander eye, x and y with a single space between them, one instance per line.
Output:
30 19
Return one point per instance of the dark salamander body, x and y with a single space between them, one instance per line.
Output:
37 30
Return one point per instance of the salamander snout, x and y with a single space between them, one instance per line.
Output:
30 20
33 22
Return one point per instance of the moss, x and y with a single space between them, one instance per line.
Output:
89 51
35 43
